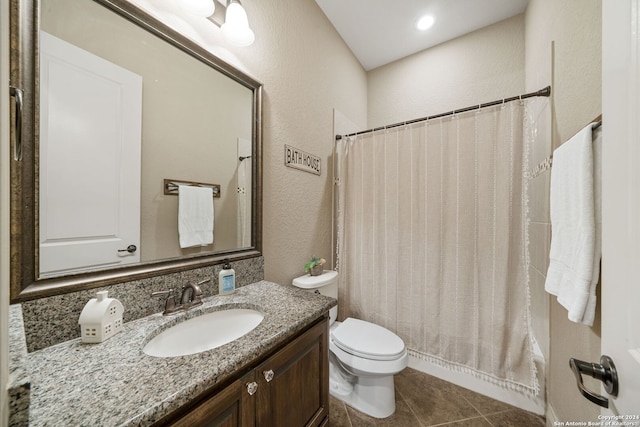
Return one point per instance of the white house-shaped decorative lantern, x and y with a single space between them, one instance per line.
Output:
101 318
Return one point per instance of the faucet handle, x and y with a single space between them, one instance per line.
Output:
170 303
161 293
197 285
168 292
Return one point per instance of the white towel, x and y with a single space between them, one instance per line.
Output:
195 216
574 259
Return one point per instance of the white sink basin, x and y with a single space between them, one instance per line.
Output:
204 332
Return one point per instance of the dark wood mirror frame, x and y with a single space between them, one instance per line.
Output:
25 283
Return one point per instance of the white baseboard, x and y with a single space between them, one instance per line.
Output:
552 418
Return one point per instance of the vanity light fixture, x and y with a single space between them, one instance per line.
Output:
425 22
232 20
204 8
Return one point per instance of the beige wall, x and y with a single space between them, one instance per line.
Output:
307 71
483 66
575 72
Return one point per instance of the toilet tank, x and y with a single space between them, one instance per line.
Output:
325 284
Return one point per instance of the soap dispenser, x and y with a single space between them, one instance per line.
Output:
226 279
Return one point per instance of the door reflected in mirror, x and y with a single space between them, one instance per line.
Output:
121 111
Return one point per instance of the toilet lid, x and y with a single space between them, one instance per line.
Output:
311 282
367 340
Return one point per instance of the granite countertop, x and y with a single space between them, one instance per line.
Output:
114 383
19 385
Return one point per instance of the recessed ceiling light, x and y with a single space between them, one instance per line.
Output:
425 22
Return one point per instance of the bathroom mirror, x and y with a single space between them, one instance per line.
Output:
188 118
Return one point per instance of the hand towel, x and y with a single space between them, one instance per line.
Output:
574 259
195 216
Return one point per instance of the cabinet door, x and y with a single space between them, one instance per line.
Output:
293 385
232 407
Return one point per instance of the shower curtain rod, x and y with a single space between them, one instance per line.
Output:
542 92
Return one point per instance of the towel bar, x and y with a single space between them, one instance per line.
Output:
171 186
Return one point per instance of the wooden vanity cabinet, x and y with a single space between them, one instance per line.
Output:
293 384
233 406
290 388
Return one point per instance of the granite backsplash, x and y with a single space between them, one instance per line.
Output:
52 320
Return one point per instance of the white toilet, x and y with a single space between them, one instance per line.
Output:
363 357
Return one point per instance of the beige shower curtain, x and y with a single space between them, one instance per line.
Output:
432 240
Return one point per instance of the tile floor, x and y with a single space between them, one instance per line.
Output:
424 401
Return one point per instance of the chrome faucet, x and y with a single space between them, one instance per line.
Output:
191 297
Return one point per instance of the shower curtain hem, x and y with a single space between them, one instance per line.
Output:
530 390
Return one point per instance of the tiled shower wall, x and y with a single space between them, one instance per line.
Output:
52 320
540 149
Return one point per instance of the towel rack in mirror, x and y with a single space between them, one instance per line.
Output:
171 186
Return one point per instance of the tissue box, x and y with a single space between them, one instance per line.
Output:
101 318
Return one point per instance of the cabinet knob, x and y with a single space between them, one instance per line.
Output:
268 375
252 387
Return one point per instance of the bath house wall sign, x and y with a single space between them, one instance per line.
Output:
295 158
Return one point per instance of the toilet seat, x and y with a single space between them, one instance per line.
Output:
367 340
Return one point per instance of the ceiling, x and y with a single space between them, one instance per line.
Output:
382 31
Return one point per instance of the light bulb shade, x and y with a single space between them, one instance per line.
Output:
425 22
236 29
204 8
